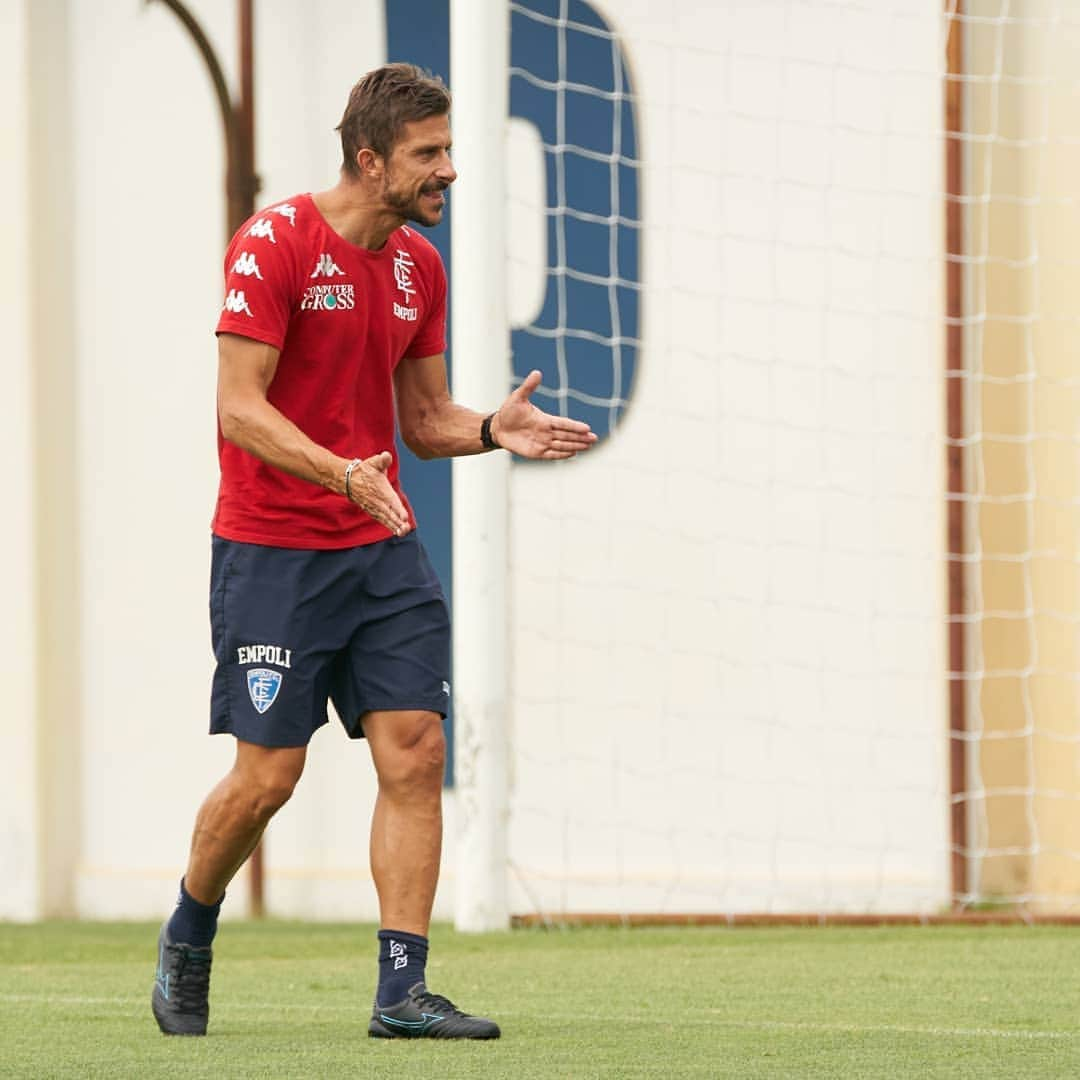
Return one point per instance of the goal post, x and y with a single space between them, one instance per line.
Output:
481 365
956 482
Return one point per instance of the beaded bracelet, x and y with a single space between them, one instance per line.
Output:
348 475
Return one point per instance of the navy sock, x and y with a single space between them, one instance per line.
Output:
193 923
402 958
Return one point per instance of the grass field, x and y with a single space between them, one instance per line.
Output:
292 1000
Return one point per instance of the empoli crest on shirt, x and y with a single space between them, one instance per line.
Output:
263 686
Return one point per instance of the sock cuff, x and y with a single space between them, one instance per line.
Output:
187 898
402 935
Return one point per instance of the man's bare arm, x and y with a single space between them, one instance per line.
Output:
245 370
433 425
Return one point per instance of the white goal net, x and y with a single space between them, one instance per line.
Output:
800 636
577 278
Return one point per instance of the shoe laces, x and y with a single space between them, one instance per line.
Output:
427 1000
192 979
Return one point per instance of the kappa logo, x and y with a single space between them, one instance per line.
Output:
403 268
262 229
326 267
247 265
263 686
237 302
286 210
328 298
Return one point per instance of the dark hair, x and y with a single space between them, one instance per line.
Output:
381 103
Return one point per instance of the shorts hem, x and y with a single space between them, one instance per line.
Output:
355 730
267 739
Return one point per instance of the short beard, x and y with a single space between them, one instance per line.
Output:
408 208
401 203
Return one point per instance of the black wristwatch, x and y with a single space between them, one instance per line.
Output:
486 438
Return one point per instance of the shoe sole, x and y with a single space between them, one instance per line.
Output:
378 1031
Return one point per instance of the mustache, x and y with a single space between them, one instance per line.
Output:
427 189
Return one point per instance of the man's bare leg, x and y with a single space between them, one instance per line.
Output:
406 841
409 751
227 828
232 818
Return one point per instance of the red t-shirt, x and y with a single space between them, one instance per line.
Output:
342 317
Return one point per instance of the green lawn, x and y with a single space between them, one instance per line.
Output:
292 1000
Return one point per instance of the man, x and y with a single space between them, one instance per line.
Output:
334 311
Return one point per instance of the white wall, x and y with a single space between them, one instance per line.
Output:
726 624
19 819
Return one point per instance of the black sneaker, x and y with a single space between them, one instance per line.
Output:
424 1015
181 987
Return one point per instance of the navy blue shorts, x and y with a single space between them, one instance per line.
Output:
366 627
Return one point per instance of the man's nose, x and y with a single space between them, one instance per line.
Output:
446 171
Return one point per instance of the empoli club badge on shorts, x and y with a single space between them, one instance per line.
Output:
263 687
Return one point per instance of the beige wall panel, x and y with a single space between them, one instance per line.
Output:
1024 226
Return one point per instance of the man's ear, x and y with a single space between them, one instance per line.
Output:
369 162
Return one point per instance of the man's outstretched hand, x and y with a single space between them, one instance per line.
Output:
520 427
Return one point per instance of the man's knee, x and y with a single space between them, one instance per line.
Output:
269 795
430 750
269 777
415 757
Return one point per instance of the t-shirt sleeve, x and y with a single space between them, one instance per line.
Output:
430 338
259 280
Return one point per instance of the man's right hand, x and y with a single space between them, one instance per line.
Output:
370 489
